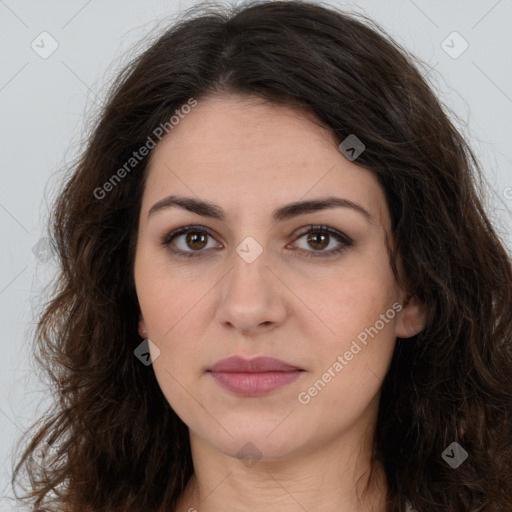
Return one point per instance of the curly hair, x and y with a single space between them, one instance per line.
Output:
117 443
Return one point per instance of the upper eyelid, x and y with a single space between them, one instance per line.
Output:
322 227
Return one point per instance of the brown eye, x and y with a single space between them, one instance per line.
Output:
189 241
318 240
196 240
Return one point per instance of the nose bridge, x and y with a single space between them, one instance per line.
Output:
251 294
249 278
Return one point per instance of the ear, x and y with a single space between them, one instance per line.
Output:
142 327
412 318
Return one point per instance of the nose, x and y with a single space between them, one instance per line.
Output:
253 299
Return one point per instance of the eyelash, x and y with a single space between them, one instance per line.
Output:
319 229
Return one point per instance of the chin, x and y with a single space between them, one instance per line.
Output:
263 442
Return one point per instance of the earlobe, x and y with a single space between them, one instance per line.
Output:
412 318
142 327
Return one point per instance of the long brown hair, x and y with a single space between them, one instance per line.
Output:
118 443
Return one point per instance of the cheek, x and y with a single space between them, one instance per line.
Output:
351 300
175 307
166 295
350 371
353 358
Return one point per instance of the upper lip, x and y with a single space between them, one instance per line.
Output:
255 365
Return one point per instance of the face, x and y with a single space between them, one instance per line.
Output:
312 287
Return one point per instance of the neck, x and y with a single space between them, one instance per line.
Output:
333 478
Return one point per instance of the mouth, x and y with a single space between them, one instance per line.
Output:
255 376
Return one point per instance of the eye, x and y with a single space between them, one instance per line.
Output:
189 241
321 237
188 237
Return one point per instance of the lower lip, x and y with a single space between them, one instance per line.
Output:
253 384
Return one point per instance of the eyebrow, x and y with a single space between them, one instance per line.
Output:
288 211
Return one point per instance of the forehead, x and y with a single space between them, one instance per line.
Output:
244 152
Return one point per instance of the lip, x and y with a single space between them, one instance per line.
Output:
252 377
254 365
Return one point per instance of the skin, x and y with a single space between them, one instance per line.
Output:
251 157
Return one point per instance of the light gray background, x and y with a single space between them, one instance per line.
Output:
46 102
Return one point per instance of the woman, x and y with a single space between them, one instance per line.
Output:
279 288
